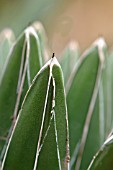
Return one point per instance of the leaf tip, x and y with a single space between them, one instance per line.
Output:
73 45
101 45
100 42
54 61
38 25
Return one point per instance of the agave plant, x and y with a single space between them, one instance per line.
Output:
55 114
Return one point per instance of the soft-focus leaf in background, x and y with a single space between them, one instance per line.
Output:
6 41
68 59
8 89
22 13
17 78
97 133
82 90
107 83
103 160
44 44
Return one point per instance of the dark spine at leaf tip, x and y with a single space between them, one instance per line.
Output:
53 55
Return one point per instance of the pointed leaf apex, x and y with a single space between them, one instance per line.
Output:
73 45
100 42
54 60
38 26
8 34
51 62
30 30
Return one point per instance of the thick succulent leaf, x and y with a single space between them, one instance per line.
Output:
103 160
23 64
81 98
96 132
40 137
6 41
35 58
107 83
68 59
94 138
8 90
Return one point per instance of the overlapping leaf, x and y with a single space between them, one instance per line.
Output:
24 62
68 59
40 137
81 100
6 41
107 82
44 47
97 129
103 159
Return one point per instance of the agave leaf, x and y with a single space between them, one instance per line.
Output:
16 79
8 89
96 132
34 53
43 41
94 138
40 136
81 97
103 159
68 59
6 41
108 93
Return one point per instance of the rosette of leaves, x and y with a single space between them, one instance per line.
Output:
56 116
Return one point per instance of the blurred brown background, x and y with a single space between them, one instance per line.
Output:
82 20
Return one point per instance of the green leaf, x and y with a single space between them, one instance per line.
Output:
23 64
40 137
69 59
96 132
35 56
8 90
108 93
82 94
6 41
103 159
44 47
